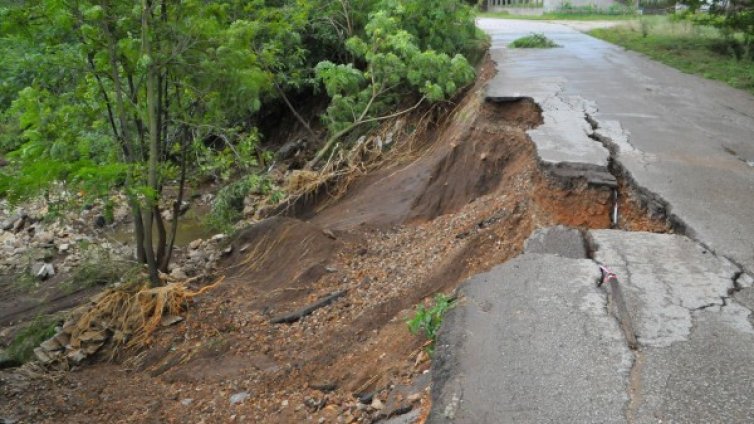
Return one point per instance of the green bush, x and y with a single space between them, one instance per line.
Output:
229 202
534 41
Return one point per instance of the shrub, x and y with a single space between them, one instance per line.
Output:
21 349
534 41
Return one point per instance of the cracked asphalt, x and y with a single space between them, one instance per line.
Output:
534 340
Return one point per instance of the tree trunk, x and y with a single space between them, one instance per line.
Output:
152 122
176 207
161 239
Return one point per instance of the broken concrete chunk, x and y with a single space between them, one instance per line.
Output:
560 240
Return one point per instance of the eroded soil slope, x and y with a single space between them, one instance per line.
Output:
463 201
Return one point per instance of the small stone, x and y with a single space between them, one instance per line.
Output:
329 233
227 251
92 348
178 274
100 221
51 345
414 397
239 398
244 248
195 244
186 402
218 237
42 270
76 356
330 269
284 404
43 356
92 336
169 320
45 237
377 404
62 248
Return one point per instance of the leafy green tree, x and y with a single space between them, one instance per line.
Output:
158 80
396 66
147 97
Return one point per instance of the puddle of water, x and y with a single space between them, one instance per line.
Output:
190 228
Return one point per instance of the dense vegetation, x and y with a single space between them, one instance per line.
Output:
150 97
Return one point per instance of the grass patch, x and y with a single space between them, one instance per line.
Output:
21 349
427 319
534 41
99 268
699 50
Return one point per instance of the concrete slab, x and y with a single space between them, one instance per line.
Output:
531 342
560 240
563 141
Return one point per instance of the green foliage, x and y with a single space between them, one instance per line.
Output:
405 54
428 320
229 202
533 41
98 95
21 349
734 20
691 48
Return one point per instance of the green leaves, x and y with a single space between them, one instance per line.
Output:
428 319
339 80
397 65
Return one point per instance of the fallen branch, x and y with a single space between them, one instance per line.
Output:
306 310
361 120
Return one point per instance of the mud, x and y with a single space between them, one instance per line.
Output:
462 203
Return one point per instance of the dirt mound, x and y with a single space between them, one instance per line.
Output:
475 162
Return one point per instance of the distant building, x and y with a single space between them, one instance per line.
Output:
536 7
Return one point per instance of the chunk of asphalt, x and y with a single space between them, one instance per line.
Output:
531 341
560 240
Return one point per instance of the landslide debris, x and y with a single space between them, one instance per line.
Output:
462 197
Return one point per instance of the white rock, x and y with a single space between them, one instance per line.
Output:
195 244
178 273
239 397
377 404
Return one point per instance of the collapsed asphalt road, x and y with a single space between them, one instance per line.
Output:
534 339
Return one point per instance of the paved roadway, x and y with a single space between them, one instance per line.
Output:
689 139
534 340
